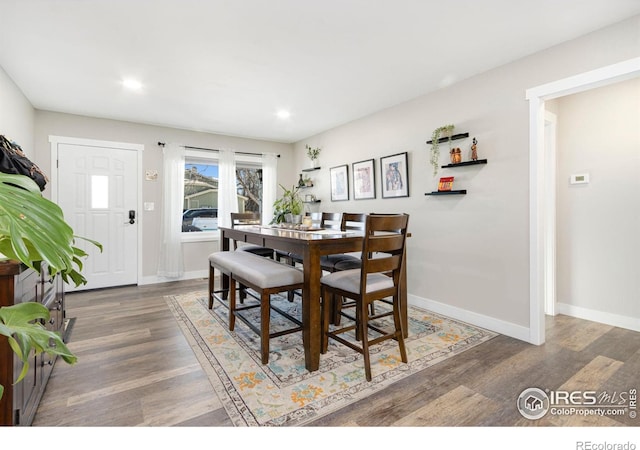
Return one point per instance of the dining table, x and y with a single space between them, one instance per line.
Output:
311 244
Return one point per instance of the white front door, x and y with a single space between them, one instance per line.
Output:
97 191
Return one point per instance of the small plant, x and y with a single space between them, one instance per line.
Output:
445 130
289 203
313 153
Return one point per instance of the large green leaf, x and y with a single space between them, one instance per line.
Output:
22 325
33 229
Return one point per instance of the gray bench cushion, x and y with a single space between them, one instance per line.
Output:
264 273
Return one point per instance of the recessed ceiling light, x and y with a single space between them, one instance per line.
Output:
132 84
282 114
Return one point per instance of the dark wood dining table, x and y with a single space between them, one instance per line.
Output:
311 245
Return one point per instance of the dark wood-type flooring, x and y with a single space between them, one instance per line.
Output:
135 368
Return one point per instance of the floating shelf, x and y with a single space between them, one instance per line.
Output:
311 169
459 192
455 137
315 201
466 163
305 187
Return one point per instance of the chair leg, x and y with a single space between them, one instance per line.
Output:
363 326
336 309
264 326
327 301
232 304
291 294
211 285
399 330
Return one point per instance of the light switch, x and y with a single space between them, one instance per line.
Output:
149 206
579 178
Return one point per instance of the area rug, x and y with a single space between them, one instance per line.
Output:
283 392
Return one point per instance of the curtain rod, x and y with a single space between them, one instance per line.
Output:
161 144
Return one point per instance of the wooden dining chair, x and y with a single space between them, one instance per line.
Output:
379 278
249 218
324 220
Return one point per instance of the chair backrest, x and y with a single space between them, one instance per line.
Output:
353 221
245 218
383 246
331 221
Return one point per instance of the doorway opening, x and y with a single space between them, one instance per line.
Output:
541 200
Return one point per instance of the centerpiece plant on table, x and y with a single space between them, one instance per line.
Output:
289 203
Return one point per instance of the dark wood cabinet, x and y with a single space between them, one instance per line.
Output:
20 284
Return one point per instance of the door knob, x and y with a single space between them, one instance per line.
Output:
132 216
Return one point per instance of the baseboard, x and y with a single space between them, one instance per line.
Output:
479 320
616 320
490 323
154 279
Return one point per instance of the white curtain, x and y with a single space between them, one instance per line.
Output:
170 262
269 185
227 189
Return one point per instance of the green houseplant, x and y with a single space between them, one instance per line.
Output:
443 131
289 203
313 154
32 231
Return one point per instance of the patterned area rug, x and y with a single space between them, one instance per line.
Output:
284 393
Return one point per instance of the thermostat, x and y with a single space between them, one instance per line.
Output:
580 178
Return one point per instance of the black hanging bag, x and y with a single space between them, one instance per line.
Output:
13 160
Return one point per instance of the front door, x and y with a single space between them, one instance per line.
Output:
97 191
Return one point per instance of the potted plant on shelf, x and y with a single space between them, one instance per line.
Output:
445 131
289 206
33 231
313 154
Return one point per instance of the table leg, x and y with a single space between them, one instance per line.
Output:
311 317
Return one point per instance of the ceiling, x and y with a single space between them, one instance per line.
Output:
228 66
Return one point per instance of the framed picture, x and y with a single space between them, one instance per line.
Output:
339 183
395 175
364 180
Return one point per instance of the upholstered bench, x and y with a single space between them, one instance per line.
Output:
265 277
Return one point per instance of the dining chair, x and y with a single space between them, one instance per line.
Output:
379 278
249 218
324 220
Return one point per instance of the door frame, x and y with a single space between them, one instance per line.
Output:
540 201
138 148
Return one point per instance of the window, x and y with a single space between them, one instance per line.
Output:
201 177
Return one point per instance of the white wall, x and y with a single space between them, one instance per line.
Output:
16 115
195 253
469 255
598 244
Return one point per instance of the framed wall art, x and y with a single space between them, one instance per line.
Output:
339 183
395 175
364 180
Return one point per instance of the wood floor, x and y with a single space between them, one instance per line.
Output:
135 368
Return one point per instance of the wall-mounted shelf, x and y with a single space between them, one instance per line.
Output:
459 192
455 137
466 163
305 187
315 201
311 169
451 166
